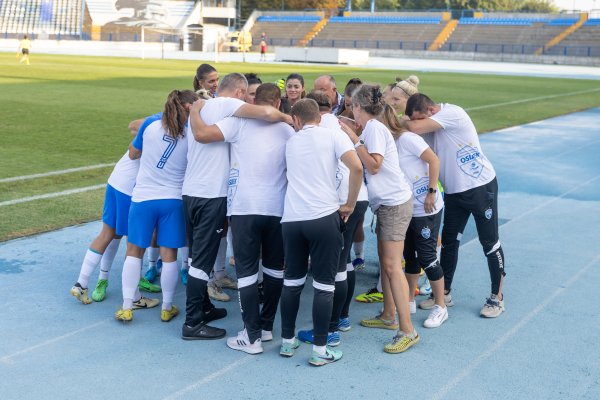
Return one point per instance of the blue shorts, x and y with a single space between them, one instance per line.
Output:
116 210
164 215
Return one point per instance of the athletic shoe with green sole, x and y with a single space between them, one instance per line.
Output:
99 293
146 286
401 342
331 355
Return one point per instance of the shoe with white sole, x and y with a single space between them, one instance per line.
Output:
241 342
493 307
436 317
429 302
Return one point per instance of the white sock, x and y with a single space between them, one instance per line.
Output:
108 257
132 269
359 249
322 350
219 267
184 253
379 287
90 261
153 253
290 341
168 283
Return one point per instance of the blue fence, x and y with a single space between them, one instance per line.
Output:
572 51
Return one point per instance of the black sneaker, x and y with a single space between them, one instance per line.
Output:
214 314
202 332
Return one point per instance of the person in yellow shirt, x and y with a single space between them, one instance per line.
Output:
24 46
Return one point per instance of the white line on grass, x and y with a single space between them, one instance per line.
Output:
8 359
513 331
552 96
60 172
51 195
209 378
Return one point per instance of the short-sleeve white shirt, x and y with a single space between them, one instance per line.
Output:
123 175
389 186
410 147
312 156
463 165
257 176
162 165
208 164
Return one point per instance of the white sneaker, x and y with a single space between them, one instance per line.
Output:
412 306
493 307
266 336
429 302
242 343
436 317
216 293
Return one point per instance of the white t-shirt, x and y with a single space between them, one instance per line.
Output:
410 147
389 186
257 180
312 156
463 165
208 164
123 175
162 165
342 175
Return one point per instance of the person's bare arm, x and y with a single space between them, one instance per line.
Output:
351 160
134 153
421 126
203 133
134 126
267 113
372 162
434 173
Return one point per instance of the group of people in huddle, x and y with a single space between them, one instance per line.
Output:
288 178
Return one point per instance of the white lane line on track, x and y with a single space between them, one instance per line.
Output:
465 372
552 96
9 358
60 172
51 195
209 378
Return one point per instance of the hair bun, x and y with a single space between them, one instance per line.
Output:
413 79
376 95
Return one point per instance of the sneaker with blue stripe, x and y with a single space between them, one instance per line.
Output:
333 338
344 324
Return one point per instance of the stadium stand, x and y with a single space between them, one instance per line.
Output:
51 17
584 42
284 30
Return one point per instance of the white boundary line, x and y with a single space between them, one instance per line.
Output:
63 171
51 195
553 96
465 372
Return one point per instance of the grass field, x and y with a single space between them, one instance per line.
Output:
67 112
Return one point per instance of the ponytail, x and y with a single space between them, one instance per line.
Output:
391 121
175 114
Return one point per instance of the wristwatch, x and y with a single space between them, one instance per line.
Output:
359 143
431 190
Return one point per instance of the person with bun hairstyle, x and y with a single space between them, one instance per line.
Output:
156 203
390 198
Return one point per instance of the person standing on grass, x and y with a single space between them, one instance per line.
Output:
156 202
312 224
205 191
257 185
470 187
263 50
390 198
24 47
115 213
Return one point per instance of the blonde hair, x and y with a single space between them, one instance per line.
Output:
409 85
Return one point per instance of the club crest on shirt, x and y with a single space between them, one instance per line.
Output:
232 182
420 188
488 213
426 233
468 160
